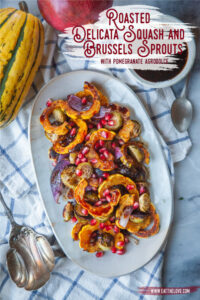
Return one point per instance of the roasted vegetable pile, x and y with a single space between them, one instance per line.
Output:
101 169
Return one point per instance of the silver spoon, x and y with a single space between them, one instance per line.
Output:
30 258
181 111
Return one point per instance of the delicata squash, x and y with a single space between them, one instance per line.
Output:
79 138
101 165
101 211
21 50
89 90
134 152
96 237
103 135
60 129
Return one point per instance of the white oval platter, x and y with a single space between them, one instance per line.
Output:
109 265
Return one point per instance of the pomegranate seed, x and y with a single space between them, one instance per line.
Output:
103 122
85 150
78 161
114 145
91 125
102 143
126 239
54 163
142 190
73 132
84 159
99 126
94 175
71 123
106 153
84 211
101 180
93 221
97 145
80 155
108 198
106 192
49 102
84 100
120 252
130 187
106 175
98 203
79 172
94 188
121 244
111 123
102 156
112 219
93 160
87 137
74 219
113 249
102 150
102 225
108 116
135 205
103 200
99 254
116 229
104 134
121 142
108 227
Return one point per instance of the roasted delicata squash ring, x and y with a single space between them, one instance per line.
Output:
126 201
89 90
101 134
129 160
85 236
103 99
155 227
86 233
118 179
136 227
82 131
99 212
76 229
44 118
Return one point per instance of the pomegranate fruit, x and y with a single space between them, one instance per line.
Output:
61 14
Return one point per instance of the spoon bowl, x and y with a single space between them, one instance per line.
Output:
30 258
181 113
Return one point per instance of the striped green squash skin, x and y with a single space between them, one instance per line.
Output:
21 49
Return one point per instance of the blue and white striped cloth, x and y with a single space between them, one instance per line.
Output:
18 187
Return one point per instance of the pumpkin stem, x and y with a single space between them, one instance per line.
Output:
23 6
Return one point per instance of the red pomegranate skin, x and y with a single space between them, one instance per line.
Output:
61 14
